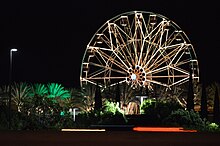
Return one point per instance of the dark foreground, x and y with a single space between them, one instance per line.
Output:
107 138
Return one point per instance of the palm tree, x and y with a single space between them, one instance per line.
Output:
57 90
211 91
20 93
38 98
4 90
83 98
58 94
39 90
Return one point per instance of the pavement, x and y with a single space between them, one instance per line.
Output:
107 138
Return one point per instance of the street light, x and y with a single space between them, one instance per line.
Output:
10 83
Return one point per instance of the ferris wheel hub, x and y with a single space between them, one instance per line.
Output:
133 76
136 76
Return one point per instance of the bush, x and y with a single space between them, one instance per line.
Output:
213 127
157 111
190 120
109 115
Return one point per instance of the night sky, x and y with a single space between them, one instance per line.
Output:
51 36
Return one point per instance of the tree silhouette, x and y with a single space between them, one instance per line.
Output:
98 98
203 102
117 96
147 92
190 98
216 110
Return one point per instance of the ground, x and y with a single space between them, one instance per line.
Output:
107 138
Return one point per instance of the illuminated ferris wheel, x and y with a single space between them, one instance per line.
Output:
139 48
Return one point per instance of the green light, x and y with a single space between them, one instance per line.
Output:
62 113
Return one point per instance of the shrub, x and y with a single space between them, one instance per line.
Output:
213 127
110 114
157 111
190 120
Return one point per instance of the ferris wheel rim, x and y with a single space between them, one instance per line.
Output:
131 13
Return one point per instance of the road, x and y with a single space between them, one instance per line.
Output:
107 138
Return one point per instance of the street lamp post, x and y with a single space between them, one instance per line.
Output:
10 84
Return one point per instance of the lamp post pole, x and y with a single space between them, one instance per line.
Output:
10 84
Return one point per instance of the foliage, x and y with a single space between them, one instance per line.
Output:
39 90
3 116
20 91
147 103
82 99
57 90
38 106
4 90
190 120
158 110
86 119
111 107
110 114
213 127
126 93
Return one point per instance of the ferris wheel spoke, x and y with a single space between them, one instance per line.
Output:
182 81
157 63
124 50
179 79
161 69
164 59
152 44
124 64
89 81
121 48
100 57
174 36
156 37
103 77
152 47
109 58
180 61
157 82
183 62
137 36
151 33
107 68
169 58
180 70
152 57
96 73
178 54
142 44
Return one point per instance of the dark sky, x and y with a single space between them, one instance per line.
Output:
51 36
